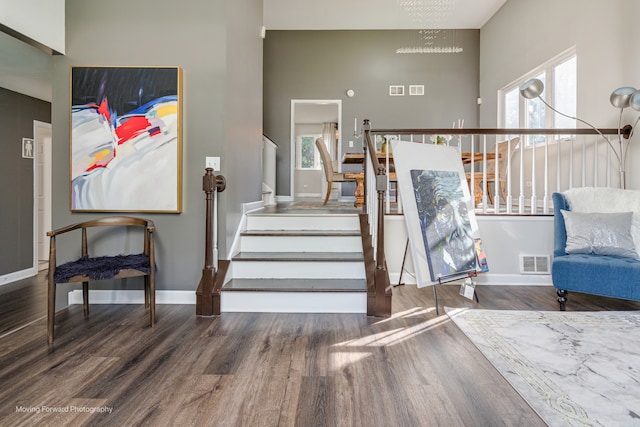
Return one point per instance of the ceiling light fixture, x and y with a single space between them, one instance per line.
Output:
433 41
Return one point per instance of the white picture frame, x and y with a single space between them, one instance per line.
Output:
433 160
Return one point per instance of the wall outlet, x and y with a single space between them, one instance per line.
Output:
212 162
350 144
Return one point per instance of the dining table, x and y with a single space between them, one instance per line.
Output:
358 158
467 157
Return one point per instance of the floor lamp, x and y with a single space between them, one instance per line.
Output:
620 98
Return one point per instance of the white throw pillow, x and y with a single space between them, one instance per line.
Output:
599 233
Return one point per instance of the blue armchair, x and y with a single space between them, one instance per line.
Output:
604 275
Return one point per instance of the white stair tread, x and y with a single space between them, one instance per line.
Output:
299 256
302 233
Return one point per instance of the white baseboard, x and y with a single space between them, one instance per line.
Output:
488 279
284 199
347 198
514 279
407 279
252 206
274 302
18 275
131 297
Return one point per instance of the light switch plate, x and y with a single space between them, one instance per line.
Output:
212 162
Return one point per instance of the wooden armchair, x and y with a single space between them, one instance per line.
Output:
88 268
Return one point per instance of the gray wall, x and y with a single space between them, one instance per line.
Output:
242 164
325 64
17 113
607 59
222 108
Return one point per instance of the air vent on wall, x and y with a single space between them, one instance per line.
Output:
416 90
396 90
534 264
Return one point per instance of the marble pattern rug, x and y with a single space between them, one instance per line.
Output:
573 368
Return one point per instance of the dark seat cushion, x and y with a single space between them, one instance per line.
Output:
100 268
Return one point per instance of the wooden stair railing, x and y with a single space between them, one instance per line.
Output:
378 297
208 292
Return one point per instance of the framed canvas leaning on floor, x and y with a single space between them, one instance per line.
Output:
439 215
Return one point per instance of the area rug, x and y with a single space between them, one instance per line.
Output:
573 368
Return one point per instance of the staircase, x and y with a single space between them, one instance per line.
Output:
298 262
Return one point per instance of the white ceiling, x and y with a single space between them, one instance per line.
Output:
378 14
35 65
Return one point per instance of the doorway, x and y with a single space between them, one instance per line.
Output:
311 119
42 199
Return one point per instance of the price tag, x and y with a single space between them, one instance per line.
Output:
468 288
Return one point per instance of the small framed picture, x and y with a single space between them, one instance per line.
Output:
27 148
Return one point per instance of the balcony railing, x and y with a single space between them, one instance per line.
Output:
537 163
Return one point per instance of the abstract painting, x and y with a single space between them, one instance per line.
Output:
445 223
126 142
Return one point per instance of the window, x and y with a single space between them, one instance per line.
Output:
307 154
559 78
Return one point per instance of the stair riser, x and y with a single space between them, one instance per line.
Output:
298 270
294 302
301 244
303 222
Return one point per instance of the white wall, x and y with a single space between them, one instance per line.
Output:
40 20
24 68
524 34
504 239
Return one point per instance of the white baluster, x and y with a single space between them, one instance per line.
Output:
584 164
558 169
496 183
596 171
521 196
545 200
509 201
484 174
534 199
571 164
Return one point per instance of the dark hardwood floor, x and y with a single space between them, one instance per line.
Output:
260 369
22 302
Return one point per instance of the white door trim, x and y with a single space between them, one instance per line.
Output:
292 134
41 134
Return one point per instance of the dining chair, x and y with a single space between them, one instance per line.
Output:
329 173
504 150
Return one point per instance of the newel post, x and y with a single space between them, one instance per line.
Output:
207 296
